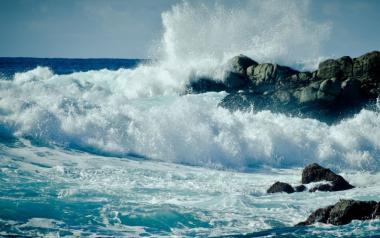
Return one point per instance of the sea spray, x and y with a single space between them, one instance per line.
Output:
90 111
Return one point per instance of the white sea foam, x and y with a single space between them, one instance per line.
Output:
91 111
139 111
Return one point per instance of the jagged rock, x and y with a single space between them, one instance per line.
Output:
279 187
316 173
344 211
300 188
339 88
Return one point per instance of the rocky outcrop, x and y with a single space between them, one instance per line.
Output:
338 88
344 211
316 173
279 187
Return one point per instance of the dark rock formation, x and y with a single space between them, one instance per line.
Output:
203 85
344 211
236 77
300 188
320 215
338 88
316 173
279 187
264 77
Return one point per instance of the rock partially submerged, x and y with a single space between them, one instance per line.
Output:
343 212
279 187
300 188
338 88
316 173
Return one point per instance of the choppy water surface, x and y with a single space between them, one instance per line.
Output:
50 191
115 148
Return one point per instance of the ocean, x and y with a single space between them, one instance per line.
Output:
117 148
83 156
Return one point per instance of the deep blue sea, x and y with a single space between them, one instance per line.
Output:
9 66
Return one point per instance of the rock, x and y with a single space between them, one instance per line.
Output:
236 75
351 91
308 94
367 67
329 90
202 85
240 63
339 88
279 187
367 70
300 188
320 215
340 68
344 211
316 173
347 210
328 69
265 76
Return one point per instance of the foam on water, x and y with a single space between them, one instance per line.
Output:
51 186
77 194
91 111
139 111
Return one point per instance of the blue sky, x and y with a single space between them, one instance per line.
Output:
127 29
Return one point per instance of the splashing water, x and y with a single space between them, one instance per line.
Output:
106 152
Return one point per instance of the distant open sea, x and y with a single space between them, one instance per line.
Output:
11 65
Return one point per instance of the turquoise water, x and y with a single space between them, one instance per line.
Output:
124 153
116 148
55 192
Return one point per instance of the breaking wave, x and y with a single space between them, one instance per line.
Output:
139 111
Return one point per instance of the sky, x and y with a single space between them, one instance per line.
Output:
129 28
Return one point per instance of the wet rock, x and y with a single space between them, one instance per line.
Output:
240 63
267 76
202 85
367 67
320 215
339 88
308 94
344 211
351 91
279 187
316 173
236 75
329 90
300 188
340 68
367 70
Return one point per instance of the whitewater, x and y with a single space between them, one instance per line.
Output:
127 152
